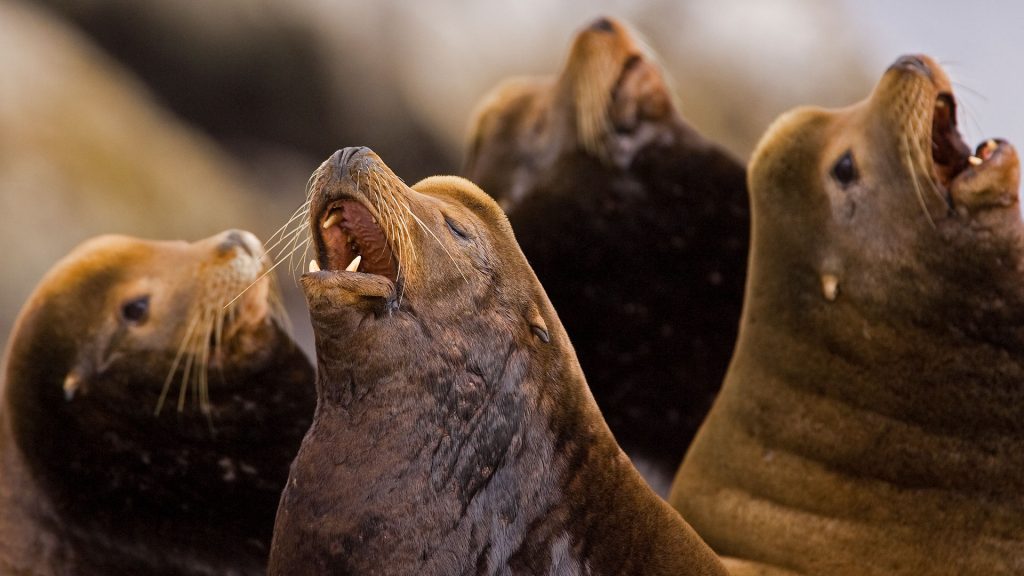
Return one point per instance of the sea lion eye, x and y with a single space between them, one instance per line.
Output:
136 311
844 170
456 229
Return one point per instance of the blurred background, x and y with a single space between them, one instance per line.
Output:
175 120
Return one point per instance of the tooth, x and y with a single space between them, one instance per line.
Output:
354 264
974 161
313 266
991 145
332 219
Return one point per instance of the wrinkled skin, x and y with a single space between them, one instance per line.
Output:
472 444
873 416
636 225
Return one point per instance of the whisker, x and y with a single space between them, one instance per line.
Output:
174 365
261 277
913 178
302 209
289 237
186 376
966 88
922 154
202 384
439 243
293 237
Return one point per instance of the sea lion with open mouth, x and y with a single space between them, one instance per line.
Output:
636 225
872 420
148 416
454 431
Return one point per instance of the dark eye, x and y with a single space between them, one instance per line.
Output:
844 170
456 229
136 311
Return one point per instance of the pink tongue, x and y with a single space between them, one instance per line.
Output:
359 225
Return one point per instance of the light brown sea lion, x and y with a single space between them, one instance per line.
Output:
636 225
146 426
454 430
872 420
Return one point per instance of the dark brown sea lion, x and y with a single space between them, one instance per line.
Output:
636 225
872 420
454 430
99 473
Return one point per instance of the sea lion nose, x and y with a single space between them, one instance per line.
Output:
232 239
341 159
602 24
912 62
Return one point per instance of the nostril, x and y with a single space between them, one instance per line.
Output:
341 159
602 25
914 63
235 239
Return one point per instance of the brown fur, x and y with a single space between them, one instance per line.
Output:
92 481
479 448
873 416
635 224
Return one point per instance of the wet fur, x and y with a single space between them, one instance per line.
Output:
471 442
636 225
99 484
876 431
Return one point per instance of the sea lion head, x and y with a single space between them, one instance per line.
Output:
120 304
121 332
609 103
413 267
882 207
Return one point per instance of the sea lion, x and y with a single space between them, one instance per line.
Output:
146 426
636 225
454 430
873 415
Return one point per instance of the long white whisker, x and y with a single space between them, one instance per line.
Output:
174 365
439 243
913 178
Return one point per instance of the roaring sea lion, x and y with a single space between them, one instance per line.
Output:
636 225
872 420
454 430
146 425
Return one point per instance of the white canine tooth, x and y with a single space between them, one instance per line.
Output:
313 266
332 219
354 264
974 161
991 145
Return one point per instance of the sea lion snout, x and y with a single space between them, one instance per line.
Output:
914 63
602 24
230 240
341 159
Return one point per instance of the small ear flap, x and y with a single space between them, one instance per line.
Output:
93 359
537 324
72 383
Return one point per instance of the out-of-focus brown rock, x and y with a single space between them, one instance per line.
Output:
402 77
84 151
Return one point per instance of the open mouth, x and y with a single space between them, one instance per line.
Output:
350 239
953 163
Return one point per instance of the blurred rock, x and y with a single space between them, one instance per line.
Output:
402 77
84 151
267 77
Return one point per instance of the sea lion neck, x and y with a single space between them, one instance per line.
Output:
107 485
873 411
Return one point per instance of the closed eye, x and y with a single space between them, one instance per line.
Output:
455 229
